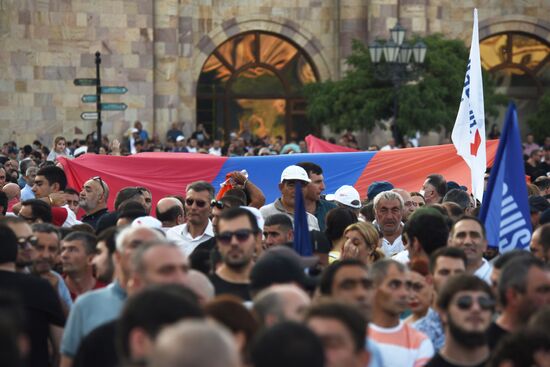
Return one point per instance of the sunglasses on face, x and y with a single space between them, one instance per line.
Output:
466 302
24 242
216 203
241 235
200 203
98 178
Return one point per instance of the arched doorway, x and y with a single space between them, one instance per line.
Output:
520 65
251 84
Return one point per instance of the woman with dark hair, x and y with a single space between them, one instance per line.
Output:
338 219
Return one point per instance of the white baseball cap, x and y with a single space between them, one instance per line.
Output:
147 221
180 138
346 195
295 173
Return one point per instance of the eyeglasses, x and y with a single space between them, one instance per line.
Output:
98 178
23 242
466 302
200 203
240 234
216 203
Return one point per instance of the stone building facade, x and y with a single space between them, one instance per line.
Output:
158 48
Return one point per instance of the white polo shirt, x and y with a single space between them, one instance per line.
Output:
185 241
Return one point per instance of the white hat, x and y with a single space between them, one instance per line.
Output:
134 130
295 173
80 150
257 214
180 138
147 221
346 195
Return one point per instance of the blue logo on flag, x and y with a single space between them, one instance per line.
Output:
505 208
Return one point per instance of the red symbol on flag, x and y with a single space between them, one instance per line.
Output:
475 145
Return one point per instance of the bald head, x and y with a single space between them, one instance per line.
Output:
408 207
12 190
170 212
201 285
281 303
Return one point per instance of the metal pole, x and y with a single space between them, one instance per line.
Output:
98 101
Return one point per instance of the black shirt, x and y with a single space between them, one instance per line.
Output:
439 361
93 218
98 348
494 334
224 287
43 308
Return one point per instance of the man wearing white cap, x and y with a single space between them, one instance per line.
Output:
285 204
347 197
180 145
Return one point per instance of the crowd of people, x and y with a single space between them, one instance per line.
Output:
213 279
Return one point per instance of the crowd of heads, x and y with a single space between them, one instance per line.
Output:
206 278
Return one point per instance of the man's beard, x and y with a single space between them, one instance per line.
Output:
468 339
237 264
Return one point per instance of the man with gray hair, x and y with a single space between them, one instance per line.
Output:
93 200
103 305
195 343
460 197
28 177
198 228
157 262
283 302
388 213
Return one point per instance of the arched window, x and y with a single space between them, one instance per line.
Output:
520 63
251 84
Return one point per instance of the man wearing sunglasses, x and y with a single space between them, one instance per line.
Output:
467 305
25 241
198 228
237 239
93 200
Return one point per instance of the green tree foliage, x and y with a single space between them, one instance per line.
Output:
539 123
360 100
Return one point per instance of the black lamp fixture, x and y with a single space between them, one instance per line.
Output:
396 50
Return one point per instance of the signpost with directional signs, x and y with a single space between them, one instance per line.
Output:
96 98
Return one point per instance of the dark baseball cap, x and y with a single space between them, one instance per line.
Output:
377 187
280 265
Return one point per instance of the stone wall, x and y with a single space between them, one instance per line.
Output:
157 48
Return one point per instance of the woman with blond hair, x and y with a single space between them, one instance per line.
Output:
361 242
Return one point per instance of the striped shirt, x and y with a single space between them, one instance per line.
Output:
402 345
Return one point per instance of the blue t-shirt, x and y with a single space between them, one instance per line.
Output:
90 311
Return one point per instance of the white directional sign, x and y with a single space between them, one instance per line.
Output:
88 115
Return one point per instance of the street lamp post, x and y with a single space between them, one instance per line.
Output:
401 61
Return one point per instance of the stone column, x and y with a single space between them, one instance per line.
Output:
353 24
165 66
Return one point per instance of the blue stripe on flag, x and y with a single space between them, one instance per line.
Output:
265 171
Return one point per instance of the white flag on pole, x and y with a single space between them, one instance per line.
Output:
469 131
